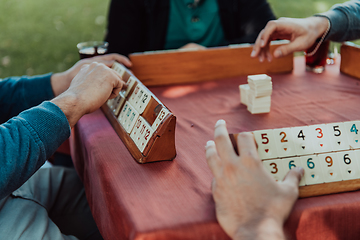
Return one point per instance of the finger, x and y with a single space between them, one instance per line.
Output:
293 177
119 83
257 45
110 58
264 38
212 158
269 30
299 44
121 59
261 55
223 142
247 146
213 185
268 55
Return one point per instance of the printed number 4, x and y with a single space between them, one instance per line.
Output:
301 135
354 129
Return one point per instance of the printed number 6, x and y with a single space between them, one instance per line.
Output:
310 164
291 164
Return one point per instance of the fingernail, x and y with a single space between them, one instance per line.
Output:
219 122
261 58
209 143
253 53
269 58
278 53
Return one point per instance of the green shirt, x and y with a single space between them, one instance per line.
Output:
199 24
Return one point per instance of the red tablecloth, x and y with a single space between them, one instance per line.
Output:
172 200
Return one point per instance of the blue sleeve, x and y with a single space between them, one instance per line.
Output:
20 93
26 141
345 21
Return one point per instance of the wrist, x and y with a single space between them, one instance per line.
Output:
321 25
69 104
269 229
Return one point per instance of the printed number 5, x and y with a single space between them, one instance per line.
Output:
336 129
263 136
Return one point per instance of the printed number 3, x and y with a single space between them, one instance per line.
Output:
320 132
275 169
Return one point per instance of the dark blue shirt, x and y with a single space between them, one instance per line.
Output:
31 130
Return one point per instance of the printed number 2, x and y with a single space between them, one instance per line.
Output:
284 136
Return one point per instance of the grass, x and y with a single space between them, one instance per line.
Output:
39 36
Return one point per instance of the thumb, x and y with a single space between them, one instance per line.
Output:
297 45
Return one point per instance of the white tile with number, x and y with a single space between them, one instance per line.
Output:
302 140
123 111
266 144
128 118
119 68
284 142
349 164
118 103
329 163
143 101
320 138
144 135
134 135
338 137
160 117
289 163
313 171
276 168
352 130
135 95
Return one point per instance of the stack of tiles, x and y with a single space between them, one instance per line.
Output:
257 93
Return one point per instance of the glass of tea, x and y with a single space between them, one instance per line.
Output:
316 62
92 48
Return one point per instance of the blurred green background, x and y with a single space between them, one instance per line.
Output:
40 36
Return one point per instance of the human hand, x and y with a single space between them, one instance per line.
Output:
249 203
193 46
61 81
302 33
91 87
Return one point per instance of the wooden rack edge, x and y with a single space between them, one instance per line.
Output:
180 67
